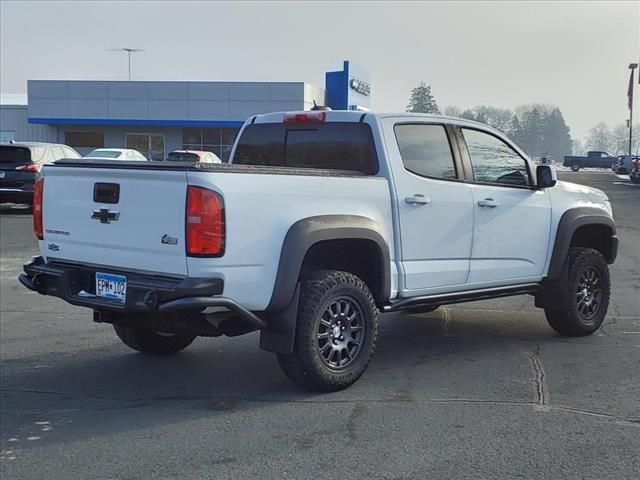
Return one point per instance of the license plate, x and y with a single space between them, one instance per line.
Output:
112 287
1 174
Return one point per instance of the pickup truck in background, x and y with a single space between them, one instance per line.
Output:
593 159
322 221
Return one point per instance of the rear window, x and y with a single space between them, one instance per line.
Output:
336 146
17 155
183 157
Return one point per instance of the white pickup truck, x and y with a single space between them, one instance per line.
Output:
323 220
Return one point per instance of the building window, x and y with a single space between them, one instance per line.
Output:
7 135
216 140
84 139
149 145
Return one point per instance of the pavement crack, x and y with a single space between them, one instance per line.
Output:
358 409
360 404
541 393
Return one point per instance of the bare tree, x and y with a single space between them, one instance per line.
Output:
619 139
578 147
600 138
452 111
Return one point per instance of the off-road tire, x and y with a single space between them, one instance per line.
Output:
575 168
568 319
150 342
307 366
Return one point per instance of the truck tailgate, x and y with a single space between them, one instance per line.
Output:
144 230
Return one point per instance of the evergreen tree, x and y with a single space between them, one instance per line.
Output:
422 101
556 136
532 139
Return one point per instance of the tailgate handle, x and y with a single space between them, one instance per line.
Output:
106 192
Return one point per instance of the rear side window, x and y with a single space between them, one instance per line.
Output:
425 150
335 145
17 155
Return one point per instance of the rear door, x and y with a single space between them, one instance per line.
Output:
121 217
511 220
434 207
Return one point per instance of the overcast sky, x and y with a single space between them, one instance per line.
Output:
572 54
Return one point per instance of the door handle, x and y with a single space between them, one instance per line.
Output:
488 203
417 199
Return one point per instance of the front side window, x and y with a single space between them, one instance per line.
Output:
494 161
425 150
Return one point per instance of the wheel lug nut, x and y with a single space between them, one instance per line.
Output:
343 327
341 337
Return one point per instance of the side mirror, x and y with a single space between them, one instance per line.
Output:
546 176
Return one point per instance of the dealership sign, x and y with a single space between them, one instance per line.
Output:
359 86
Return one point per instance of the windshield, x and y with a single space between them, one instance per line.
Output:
183 157
105 154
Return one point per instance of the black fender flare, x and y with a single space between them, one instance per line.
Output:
281 313
570 221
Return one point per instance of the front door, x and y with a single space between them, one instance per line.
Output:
512 219
434 208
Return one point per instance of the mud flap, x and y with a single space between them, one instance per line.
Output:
280 333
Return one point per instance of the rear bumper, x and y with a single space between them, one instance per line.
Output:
15 195
145 293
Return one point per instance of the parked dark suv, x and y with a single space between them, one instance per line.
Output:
20 165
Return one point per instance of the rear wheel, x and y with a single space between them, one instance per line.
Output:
152 342
575 168
586 295
335 333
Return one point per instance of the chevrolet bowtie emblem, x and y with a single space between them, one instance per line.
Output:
105 216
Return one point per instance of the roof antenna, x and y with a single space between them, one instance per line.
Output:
319 107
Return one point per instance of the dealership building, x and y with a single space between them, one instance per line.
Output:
158 117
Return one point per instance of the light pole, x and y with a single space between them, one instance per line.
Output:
129 52
632 67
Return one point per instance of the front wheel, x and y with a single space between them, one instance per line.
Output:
152 342
586 295
635 178
336 332
575 168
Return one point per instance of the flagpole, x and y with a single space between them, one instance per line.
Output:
632 67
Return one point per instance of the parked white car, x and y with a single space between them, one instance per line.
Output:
116 154
321 221
201 156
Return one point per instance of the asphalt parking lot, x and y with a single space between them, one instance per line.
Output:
481 390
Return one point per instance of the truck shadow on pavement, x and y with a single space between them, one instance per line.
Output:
470 355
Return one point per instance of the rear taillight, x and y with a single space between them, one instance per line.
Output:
306 117
204 223
38 191
33 168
